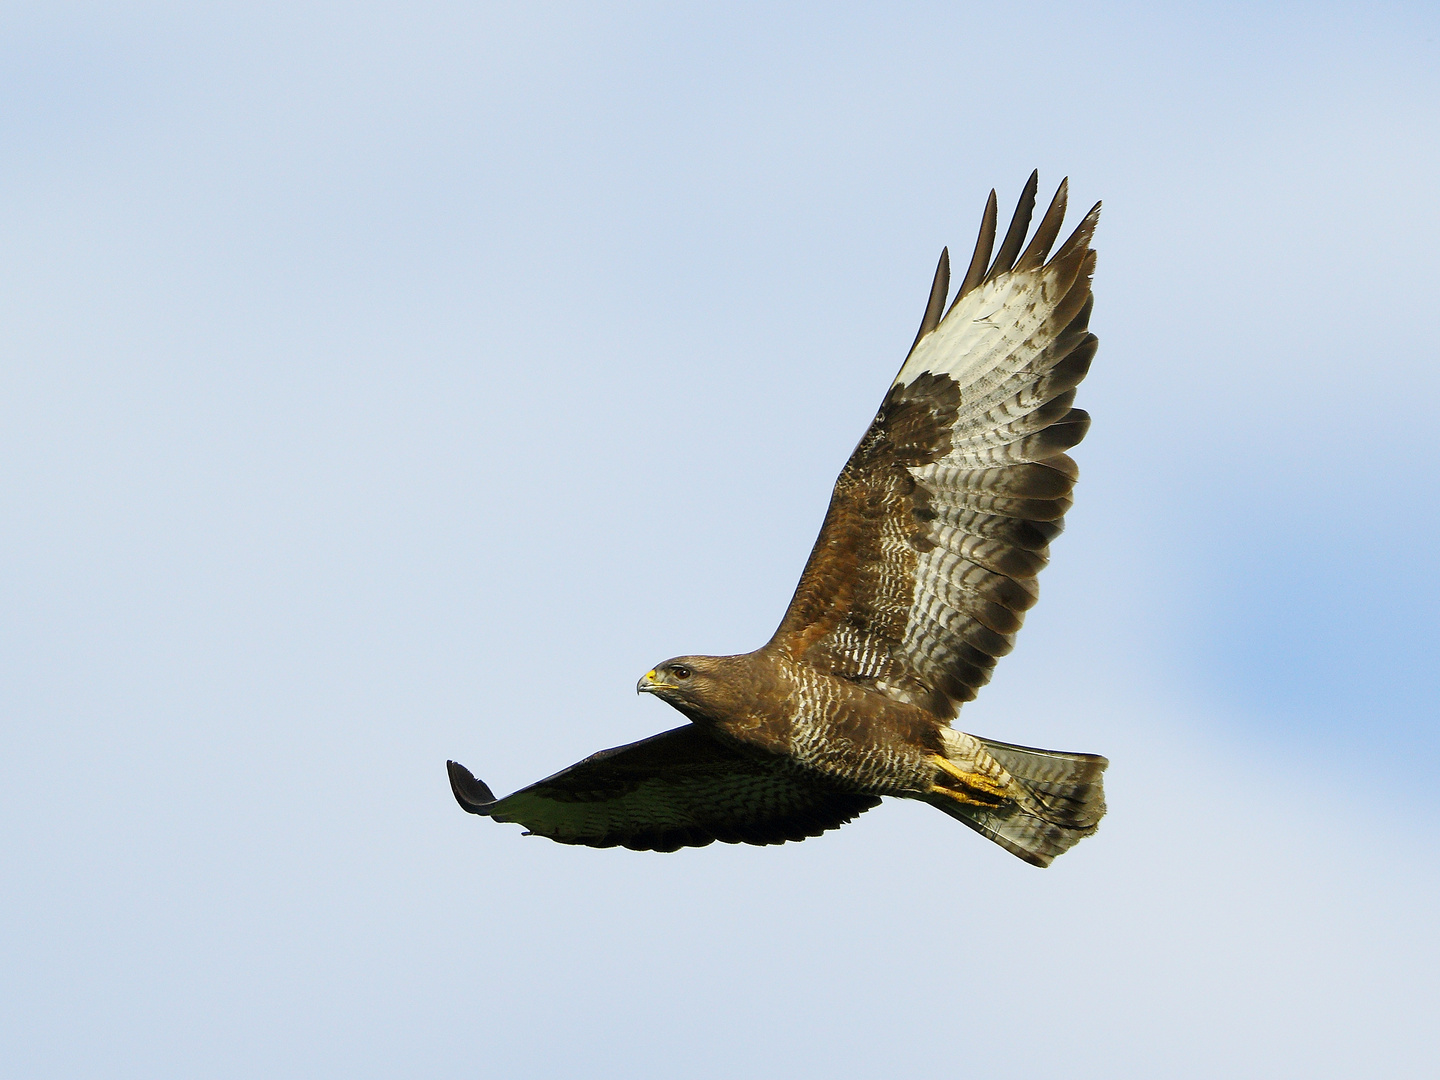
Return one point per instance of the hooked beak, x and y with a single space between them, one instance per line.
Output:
649 683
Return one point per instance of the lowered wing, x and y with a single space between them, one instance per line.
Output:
677 789
942 517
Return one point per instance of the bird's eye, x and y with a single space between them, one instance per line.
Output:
680 671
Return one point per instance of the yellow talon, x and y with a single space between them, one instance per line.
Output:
973 789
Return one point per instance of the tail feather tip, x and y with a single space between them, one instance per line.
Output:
1063 802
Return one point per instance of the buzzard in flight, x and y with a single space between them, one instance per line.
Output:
923 571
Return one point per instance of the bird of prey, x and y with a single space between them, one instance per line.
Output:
923 571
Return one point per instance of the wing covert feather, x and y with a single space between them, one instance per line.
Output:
942 518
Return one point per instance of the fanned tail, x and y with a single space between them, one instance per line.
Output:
1063 801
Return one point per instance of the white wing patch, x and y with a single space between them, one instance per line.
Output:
984 332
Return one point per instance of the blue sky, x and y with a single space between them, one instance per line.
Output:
388 383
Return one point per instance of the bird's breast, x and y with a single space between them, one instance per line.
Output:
841 730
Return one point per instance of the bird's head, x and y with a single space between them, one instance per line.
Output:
696 685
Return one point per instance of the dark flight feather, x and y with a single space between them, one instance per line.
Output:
1046 231
980 260
939 289
1015 235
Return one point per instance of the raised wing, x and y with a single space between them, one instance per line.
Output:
678 789
943 516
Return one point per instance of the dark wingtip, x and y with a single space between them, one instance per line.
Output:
471 793
984 245
1019 225
939 289
1049 228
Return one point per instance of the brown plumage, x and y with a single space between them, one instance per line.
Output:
921 576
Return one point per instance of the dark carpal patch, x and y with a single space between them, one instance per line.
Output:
913 425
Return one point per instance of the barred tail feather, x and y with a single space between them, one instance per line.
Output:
1064 802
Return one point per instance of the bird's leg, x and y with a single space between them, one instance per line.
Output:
970 788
